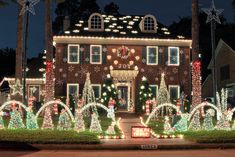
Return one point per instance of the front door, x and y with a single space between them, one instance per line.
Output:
123 97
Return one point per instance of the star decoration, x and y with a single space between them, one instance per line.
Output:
213 13
17 88
27 5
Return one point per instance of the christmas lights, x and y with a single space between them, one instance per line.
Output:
195 124
196 83
1 121
16 121
111 129
64 121
208 122
167 126
95 124
182 124
79 122
31 121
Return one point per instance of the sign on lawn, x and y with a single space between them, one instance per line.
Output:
140 132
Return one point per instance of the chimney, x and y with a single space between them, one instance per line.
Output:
66 23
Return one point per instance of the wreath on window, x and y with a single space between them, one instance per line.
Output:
123 52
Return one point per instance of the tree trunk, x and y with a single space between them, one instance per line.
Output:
19 49
196 71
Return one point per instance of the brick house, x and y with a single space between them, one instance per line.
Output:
225 69
128 48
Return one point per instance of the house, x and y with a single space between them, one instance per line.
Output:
225 69
127 48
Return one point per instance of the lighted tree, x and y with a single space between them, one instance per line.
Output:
47 120
95 124
88 95
182 124
111 129
145 92
31 121
49 87
167 126
79 122
208 121
16 121
1 121
108 91
64 122
195 124
196 83
163 94
222 124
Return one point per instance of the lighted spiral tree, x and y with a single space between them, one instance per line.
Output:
196 83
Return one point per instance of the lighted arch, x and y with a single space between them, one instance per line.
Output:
203 105
233 110
55 102
160 106
11 102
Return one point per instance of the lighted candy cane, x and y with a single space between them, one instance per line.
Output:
30 101
178 105
147 107
55 107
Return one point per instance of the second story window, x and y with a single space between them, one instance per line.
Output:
95 22
173 56
95 54
152 55
73 54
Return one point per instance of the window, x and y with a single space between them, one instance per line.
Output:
225 73
173 56
72 89
73 54
230 92
149 24
96 22
97 90
152 55
95 54
174 91
154 89
34 91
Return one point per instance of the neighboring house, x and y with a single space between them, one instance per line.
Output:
225 68
35 80
128 48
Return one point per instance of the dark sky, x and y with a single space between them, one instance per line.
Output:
165 11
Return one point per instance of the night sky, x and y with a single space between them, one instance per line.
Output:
166 11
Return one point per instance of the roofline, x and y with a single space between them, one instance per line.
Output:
217 50
120 40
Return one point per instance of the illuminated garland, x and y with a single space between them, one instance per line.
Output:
196 83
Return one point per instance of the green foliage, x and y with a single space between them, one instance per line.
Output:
108 91
216 136
48 136
145 92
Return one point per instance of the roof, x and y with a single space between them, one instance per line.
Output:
218 50
119 26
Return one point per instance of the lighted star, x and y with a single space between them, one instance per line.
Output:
213 13
17 88
27 5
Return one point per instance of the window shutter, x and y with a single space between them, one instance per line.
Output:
160 51
165 55
182 58
87 53
144 55
104 53
81 55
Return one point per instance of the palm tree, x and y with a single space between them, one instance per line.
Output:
196 71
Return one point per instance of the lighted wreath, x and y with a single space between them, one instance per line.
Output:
123 52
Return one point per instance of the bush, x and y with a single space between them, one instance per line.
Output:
48 136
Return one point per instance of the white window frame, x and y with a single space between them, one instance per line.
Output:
39 88
143 23
100 62
97 85
155 85
174 86
102 22
156 47
78 53
169 56
72 84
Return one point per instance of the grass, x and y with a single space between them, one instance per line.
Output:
216 136
48 136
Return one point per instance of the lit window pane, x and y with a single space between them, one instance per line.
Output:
73 53
96 54
174 56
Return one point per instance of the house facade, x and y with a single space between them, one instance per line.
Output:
126 47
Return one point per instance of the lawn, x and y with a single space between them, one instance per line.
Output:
48 136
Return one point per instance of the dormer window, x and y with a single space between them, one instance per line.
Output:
96 22
149 24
